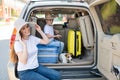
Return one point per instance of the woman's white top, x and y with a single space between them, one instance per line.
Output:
32 50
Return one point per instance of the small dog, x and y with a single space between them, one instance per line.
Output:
65 57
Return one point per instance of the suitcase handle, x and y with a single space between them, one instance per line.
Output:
77 43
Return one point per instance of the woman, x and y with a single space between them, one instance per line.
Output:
26 51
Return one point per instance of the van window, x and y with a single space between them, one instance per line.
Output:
40 15
109 14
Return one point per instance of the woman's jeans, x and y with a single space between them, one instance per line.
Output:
40 73
58 44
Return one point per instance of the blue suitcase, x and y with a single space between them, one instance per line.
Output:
47 54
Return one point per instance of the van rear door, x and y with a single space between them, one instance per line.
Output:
106 14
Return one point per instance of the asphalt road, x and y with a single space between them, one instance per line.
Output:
5 34
4 57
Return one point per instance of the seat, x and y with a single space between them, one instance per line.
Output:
41 22
72 24
87 31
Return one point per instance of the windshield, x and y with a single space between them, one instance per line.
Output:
58 19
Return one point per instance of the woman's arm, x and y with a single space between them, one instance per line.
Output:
22 54
45 39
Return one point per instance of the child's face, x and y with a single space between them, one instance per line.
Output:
49 21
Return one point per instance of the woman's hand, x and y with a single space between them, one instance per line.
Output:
21 41
37 27
44 39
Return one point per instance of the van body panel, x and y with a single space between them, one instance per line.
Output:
108 47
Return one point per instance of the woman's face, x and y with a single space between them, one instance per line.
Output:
25 30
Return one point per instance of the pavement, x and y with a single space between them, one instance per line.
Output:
4 57
6 30
5 34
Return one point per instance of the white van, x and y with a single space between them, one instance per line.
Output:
98 21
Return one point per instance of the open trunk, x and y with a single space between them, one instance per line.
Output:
66 19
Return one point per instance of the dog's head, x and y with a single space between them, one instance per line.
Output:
68 56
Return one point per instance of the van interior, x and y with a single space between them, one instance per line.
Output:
66 19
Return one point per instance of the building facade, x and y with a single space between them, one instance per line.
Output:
9 8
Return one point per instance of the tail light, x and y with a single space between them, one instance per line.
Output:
13 37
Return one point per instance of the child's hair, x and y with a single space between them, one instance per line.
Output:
13 55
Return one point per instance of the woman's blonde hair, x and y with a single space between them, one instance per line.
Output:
13 55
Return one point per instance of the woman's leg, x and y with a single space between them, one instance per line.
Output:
49 73
30 75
